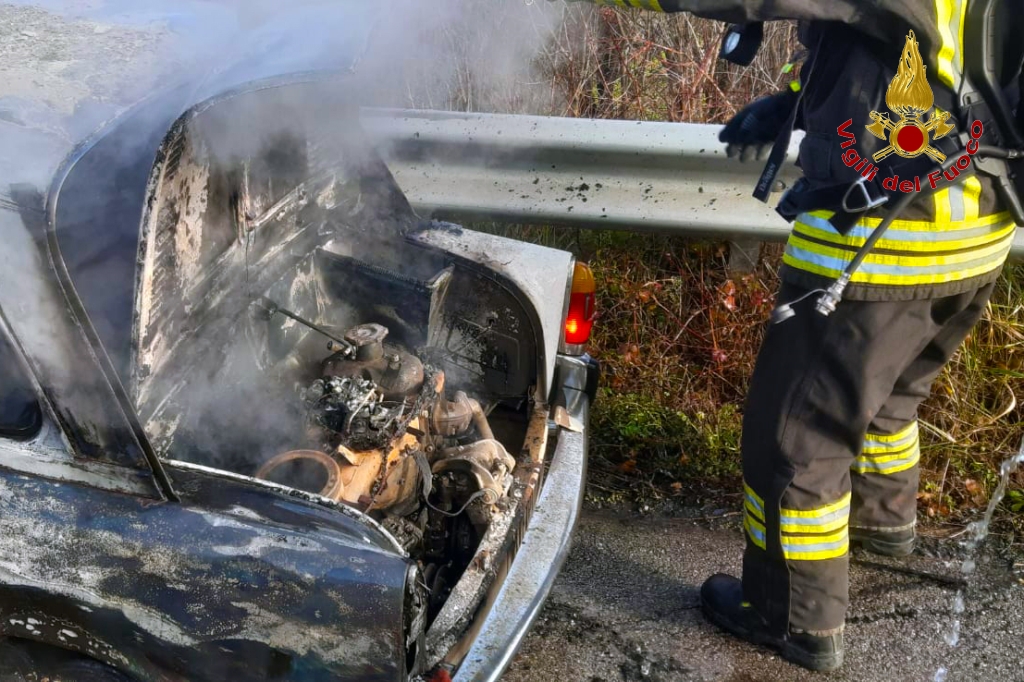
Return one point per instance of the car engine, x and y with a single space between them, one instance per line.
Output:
386 436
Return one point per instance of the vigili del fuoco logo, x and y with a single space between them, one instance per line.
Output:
910 98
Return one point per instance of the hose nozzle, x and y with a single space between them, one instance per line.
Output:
828 301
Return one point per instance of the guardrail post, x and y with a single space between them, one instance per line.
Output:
744 255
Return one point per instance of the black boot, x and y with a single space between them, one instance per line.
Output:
721 598
887 543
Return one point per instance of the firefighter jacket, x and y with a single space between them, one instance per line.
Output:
952 239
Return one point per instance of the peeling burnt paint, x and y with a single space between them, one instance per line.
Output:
233 568
390 543
537 275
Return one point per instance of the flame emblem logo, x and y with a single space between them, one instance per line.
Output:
910 97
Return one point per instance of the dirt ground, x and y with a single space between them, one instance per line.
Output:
626 608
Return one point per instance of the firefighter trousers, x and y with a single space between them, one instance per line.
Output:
830 440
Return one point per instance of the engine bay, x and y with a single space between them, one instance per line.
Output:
381 391
386 435
298 325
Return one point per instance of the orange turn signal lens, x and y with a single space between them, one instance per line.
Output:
582 302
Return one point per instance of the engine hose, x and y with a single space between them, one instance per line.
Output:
472 498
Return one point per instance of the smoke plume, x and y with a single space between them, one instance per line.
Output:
74 65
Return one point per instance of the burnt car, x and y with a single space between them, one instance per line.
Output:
259 420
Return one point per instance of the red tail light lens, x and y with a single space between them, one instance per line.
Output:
580 320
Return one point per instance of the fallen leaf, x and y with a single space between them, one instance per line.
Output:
630 352
728 294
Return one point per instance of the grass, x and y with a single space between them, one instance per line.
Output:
677 336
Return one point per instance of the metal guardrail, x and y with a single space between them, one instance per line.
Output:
626 175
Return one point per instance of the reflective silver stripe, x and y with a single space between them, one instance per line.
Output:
888 444
957 209
950 19
890 465
819 547
842 513
956 28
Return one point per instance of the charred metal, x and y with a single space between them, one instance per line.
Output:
334 415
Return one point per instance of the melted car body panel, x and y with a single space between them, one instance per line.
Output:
234 581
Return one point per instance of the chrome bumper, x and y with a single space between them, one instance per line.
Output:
544 550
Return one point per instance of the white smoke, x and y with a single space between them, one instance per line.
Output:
71 65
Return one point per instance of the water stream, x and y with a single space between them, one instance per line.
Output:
977 531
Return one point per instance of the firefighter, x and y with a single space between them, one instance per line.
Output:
831 442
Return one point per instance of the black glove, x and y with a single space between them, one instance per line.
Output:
751 133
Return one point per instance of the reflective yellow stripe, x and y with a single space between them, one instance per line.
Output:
885 450
805 540
754 496
939 244
834 553
894 280
806 534
816 548
890 470
896 270
909 260
961 22
888 465
653 5
844 501
897 280
943 210
889 457
889 453
944 11
972 195
826 527
752 510
885 444
647 4
825 519
892 438
921 225
755 531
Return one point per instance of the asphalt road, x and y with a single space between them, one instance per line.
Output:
626 608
